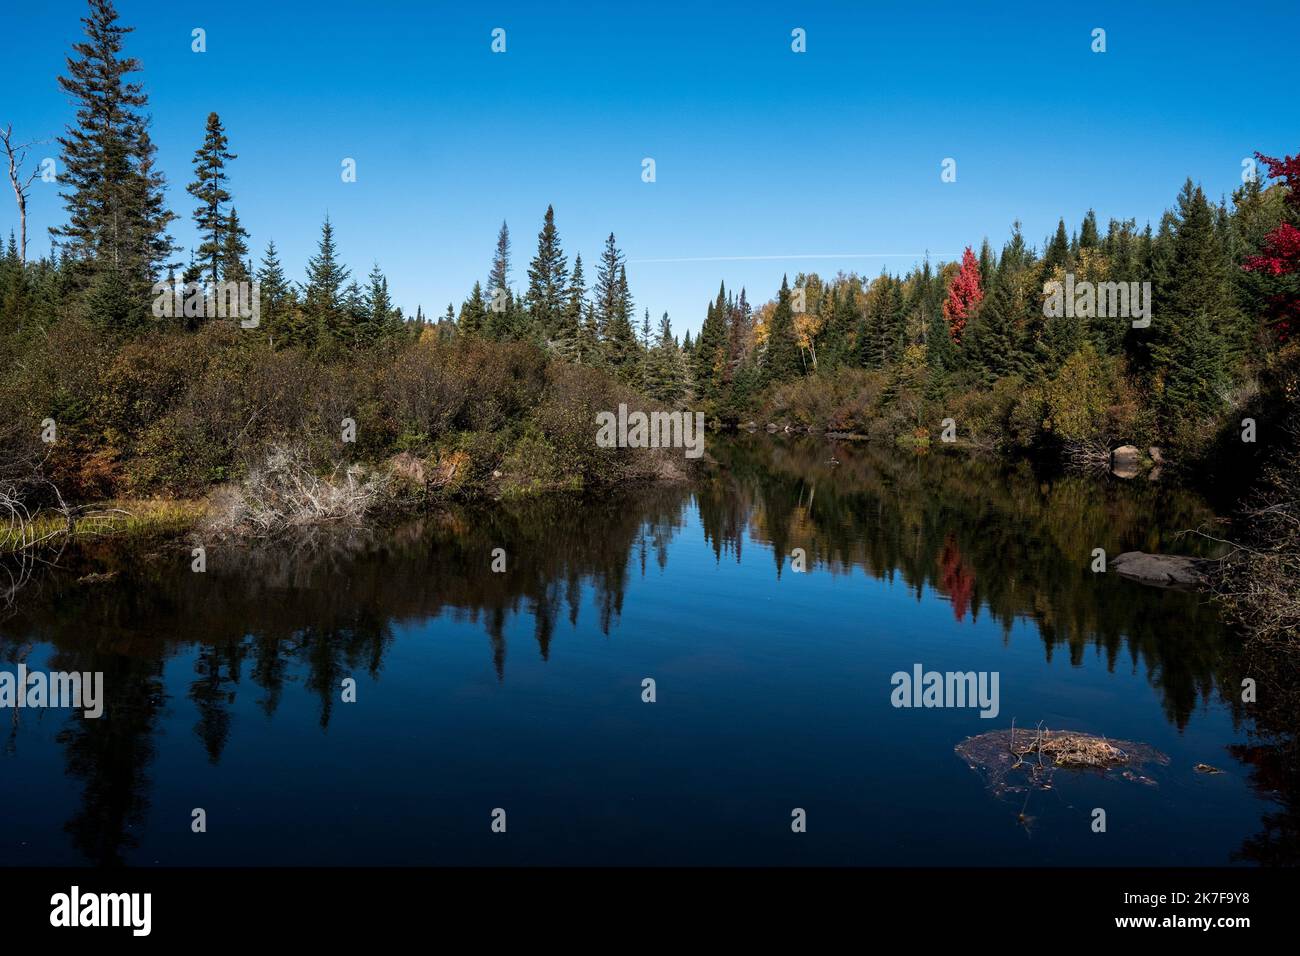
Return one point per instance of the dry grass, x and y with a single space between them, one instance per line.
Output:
23 530
1072 750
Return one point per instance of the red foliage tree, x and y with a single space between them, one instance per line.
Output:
964 293
1281 253
956 578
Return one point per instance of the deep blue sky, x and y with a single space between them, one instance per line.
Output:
760 151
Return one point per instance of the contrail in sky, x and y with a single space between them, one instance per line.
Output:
845 255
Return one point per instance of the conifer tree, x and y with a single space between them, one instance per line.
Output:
665 379
568 327
709 354
781 354
620 344
277 299
886 324
209 188
1058 250
1088 236
234 251
377 313
606 293
587 351
1198 316
352 318
117 220
323 303
548 280
988 265
473 313
499 275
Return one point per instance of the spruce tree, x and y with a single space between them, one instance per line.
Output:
709 356
1058 250
988 265
781 354
499 275
568 326
473 313
621 350
117 219
209 188
587 351
278 299
323 304
606 294
740 334
234 251
377 313
548 280
1197 317
1088 236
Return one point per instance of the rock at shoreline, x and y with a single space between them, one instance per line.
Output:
1125 461
1162 570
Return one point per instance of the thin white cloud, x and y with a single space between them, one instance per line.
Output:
832 255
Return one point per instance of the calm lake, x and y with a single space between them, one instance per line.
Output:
523 690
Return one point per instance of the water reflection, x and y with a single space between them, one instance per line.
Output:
995 541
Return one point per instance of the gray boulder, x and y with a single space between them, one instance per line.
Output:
1162 570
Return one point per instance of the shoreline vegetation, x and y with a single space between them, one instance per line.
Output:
334 403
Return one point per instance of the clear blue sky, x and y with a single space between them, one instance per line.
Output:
760 152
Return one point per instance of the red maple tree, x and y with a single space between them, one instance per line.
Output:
1281 253
956 578
964 293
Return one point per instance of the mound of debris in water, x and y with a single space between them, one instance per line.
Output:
1015 761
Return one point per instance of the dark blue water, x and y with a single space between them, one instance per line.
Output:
523 690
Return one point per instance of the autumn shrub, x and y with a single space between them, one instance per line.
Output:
987 417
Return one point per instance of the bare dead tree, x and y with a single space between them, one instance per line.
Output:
17 157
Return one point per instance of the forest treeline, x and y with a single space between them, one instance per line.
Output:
146 405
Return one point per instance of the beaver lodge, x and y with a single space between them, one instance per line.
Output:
1016 761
